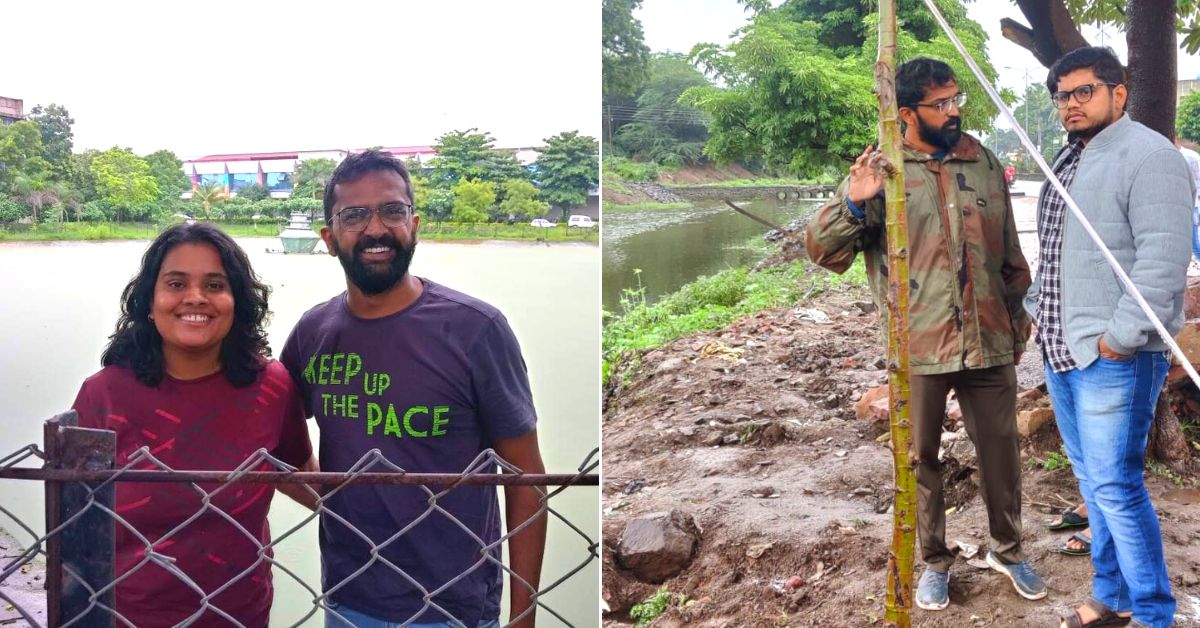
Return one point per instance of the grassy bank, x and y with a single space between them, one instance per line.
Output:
755 183
616 207
711 303
429 231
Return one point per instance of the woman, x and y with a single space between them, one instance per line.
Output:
187 381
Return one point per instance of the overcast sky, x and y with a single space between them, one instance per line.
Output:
268 75
677 25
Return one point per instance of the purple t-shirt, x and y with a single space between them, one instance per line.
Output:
430 387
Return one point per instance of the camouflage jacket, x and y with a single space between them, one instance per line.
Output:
967 273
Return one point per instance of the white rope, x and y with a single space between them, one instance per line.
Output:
1078 213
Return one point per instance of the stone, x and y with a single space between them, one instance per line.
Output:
658 546
873 406
1030 421
1188 340
669 365
1191 298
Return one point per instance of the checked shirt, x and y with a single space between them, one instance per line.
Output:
1051 218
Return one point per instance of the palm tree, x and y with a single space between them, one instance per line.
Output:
209 193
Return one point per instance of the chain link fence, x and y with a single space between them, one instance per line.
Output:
78 545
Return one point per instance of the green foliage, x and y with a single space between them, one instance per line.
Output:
471 155
94 211
167 171
11 211
662 129
472 198
623 49
1115 13
798 82
54 122
21 152
1056 460
649 609
311 177
520 200
123 180
208 195
254 192
630 170
82 178
567 168
1187 121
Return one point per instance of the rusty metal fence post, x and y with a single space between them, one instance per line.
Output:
79 559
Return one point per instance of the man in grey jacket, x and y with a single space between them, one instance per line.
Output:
1105 362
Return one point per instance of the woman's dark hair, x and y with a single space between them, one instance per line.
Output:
356 166
915 76
1101 60
136 343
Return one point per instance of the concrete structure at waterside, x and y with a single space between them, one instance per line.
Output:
11 110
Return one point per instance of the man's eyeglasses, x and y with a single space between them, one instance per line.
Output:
1082 94
943 105
357 218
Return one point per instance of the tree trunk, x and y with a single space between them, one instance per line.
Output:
1152 65
1051 32
1167 442
898 606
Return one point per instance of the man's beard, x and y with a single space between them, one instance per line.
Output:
945 137
375 279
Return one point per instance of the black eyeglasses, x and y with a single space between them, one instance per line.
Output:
943 105
357 218
1082 94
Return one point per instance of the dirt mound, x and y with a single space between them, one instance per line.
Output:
751 430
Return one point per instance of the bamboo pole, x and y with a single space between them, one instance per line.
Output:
900 559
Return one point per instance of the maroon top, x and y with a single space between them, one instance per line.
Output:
199 425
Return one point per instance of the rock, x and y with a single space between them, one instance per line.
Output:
788 403
1030 421
1191 298
669 365
1188 340
730 439
756 551
793 583
953 411
658 546
873 406
866 307
1033 394
714 438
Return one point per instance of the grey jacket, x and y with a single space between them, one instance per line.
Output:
1136 191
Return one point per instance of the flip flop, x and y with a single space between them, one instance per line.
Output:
1106 617
1066 548
1069 519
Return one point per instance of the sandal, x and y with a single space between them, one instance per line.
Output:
1066 548
1069 519
1106 617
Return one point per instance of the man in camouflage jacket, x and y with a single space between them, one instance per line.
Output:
967 326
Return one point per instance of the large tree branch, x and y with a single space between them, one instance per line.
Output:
1051 32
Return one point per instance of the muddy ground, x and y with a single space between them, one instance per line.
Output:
784 385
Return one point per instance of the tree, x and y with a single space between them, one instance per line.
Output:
470 154
82 178
167 171
432 203
123 181
1036 113
625 56
1149 26
472 199
797 95
22 167
311 177
254 192
567 168
662 129
54 122
209 194
1187 122
520 200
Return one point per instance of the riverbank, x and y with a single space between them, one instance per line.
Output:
752 432
445 231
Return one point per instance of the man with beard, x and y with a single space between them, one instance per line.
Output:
430 378
1105 361
967 327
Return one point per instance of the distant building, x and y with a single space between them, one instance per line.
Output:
1186 87
11 110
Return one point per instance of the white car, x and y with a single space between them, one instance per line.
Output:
543 223
580 221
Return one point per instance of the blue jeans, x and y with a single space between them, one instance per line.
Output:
1104 413
1196 233
362 620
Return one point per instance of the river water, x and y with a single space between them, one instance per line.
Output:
59 302
673 247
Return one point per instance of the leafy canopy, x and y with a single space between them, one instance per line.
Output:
567 168
471 154
472 198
